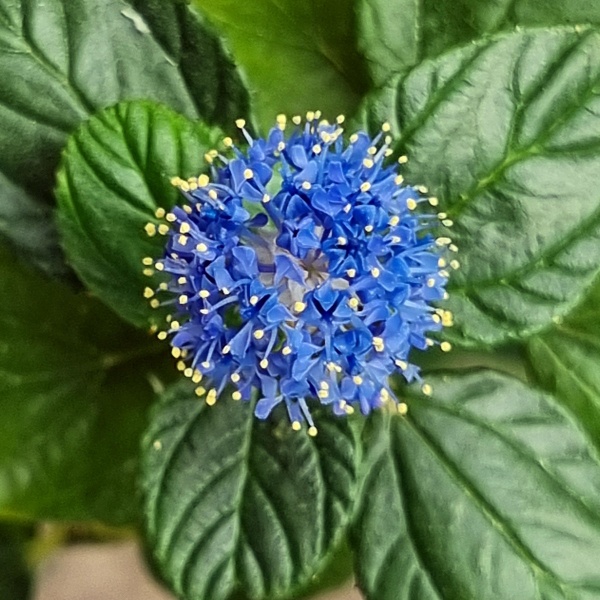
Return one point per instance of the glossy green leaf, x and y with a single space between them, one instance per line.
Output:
298 56
15 581
397 34
74 391
485 490
566 361
115 172
506 132
62 61
236 504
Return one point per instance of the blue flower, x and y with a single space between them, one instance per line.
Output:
300 272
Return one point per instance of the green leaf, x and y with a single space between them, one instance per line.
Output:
115 172
398 34
62 61
74 393
485 490
298 56
565 361
14 574
236 504
506 132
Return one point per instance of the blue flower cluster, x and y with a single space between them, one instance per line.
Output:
300 270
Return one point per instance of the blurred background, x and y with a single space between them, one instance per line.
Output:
114 571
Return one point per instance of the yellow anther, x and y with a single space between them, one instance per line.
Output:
197 376
306 185
236 395
436 318
162 335
204 293
201 247
259 334
188 372
148 261
378 344
357 379
394 221
423 189
163 229
353 303
212 194
443 241
429 342
368 163
203 180
188 209
159 266
453 248
431 282
170 217
200 391
385 127
351 273
324 385
240 123
227 142
368 228
323 394
411 204
433 201
384 395
354 138
266 198
399 180
176 352
442 263
281 119
375 272
342 241
365 187
248 174
160 213
403 159
427 389
317 149
148 292
445 346
296 426
208 158
211 397
235 377
312 431
226 349
226 291
310 115
349 410
182 239
372 150
205 364
454 264
347 208
296 119
299 307
264 363
340 119
396 239
150 229
401 364
254 300
175 325
175 181
447 222
402 408
154 303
